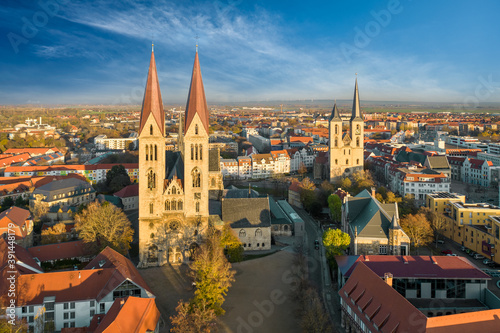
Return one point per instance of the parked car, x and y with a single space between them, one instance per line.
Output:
462 248
493 265
452 255
487 261
471 253
440 241
446 252
478 256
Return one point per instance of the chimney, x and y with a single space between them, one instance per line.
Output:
373 191
388 278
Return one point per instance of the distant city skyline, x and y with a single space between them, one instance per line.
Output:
74 52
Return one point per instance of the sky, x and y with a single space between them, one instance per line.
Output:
97 52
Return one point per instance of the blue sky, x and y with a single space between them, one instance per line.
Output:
70 51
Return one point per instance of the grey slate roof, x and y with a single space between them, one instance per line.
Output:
246 213
370 217
174 164
278 216
64 184
404 156
240 193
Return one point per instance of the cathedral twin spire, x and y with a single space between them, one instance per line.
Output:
196 102
152 103
356 112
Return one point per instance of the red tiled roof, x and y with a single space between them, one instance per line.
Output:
132 314
59 251
128 191
115 260
370 296
20 217
479 321
419 266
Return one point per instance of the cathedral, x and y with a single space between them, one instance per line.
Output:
345 151
174 186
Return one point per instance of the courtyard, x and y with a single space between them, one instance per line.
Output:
258 301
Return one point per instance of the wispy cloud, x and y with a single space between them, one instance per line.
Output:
245 54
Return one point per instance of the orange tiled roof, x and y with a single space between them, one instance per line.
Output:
132 314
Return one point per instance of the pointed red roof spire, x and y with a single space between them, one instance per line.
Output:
196 102
152 103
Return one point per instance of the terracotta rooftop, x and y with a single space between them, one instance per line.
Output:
59 251
377 303
132 314
425 267
128 191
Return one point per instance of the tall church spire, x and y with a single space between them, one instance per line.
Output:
335 113
152 103
356 112
196 102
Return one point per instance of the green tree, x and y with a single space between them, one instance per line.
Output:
104 225
346 184
212 274
363 180
335 205
307 196
231 244
438 221
407 206
192 318
7 203
54 234
117 178
335 242
418 228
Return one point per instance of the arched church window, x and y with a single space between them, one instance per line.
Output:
174 205
151 208
196 152
151 180
197 206
213 182
336 142
174 190
196 129
357 142
258 233
357 161
151 152
192 152
180 205
347 162
336 129
201 151
167 205
196 177
336 161
150 129
147 152
156 153
242 233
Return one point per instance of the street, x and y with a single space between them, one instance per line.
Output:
318 269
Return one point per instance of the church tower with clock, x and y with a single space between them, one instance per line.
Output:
346 148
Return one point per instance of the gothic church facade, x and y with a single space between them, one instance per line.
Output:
174 186
346 148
